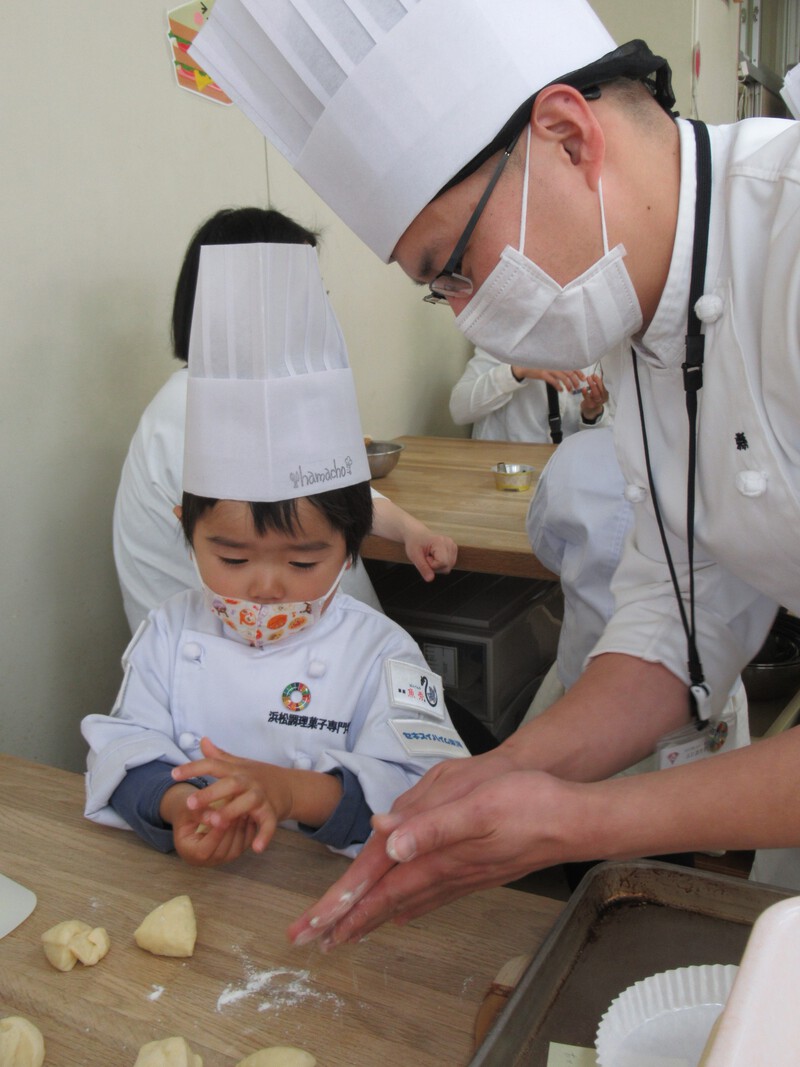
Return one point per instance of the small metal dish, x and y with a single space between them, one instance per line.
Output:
513 477
382 457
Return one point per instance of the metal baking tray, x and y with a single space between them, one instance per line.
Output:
625 921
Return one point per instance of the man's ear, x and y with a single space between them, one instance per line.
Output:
177 511
562 115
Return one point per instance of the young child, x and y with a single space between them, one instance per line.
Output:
149 552
324 709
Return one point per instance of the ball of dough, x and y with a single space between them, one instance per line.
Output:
71 941
169 930
21 1043
279 1056
170 1052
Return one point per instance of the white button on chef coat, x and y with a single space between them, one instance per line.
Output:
752 483
635 494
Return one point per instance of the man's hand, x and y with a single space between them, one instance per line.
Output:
447 783
595 398
502 830
568 380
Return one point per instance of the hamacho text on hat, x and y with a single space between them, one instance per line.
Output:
271 404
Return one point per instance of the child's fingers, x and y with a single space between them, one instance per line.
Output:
216 763
216 794
212 751
236 807
199 768
266 827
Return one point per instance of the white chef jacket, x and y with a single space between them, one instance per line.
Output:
503 409
578 523
747 559
150 552
186 677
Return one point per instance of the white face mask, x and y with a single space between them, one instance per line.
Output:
521 315
260 624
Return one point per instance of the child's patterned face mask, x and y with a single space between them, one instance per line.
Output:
260 624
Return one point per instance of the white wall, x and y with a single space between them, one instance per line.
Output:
672 28
107 168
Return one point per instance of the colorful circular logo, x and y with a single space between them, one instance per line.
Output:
296 696
717 736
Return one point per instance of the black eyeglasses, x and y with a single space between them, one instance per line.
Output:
450 281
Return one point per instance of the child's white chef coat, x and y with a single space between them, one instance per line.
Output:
335 696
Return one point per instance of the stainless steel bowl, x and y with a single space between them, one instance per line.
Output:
774 672
383 457
513 477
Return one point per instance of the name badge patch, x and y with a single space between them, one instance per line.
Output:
419 738
687 744
415 688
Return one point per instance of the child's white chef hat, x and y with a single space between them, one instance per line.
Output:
271 405
379 103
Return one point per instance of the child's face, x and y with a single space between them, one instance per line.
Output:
270 568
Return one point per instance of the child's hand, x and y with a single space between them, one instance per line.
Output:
430 553
249 799
206 846
192 838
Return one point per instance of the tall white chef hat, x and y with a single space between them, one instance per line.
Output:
379 103
271 405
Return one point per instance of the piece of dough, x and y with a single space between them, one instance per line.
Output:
169 930
279 1056
203 828
21 1043
90 948
72 940
170 1052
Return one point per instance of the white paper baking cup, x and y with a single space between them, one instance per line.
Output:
664 1020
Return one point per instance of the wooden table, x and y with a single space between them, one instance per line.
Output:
447 482
404 995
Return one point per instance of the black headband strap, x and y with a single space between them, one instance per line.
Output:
633 60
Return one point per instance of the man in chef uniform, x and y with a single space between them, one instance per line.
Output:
513 161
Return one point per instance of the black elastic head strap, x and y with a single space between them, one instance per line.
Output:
633 60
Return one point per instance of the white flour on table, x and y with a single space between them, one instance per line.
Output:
277 989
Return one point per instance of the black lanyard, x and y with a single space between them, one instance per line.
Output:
553 414
699 692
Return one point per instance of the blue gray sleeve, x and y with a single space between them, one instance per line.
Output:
138 797
349 823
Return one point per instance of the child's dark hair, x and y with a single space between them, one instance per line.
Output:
230 226
348 510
